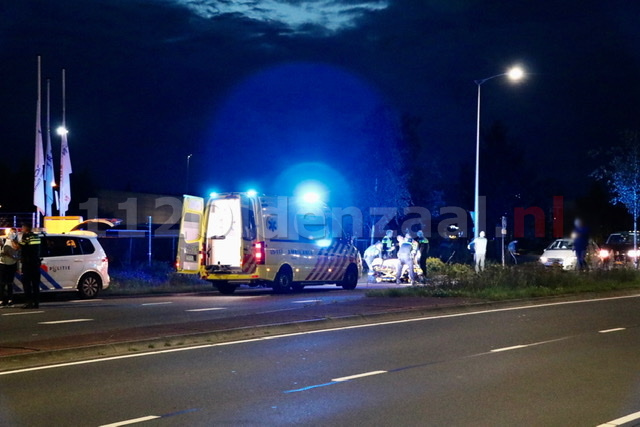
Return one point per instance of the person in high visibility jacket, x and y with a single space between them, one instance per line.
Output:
388 247
30 258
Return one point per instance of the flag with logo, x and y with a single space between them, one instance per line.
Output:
38 174
65 172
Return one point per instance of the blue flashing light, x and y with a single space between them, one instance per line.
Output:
311 197
324 243
252 193
213 194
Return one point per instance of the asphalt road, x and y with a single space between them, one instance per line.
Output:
564 364
61 315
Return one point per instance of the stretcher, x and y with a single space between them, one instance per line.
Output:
385 271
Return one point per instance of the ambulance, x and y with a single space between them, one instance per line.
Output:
283 243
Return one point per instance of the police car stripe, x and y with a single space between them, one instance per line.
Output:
19 287
50 279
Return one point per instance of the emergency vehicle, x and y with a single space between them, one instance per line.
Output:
278 242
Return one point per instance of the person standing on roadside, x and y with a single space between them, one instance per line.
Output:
8 266
580 243
480 247
30 258
405 257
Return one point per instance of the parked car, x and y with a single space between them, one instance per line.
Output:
71 262
562 253
559 253
618 250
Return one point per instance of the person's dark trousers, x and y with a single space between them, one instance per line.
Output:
581 255
7 274
31 282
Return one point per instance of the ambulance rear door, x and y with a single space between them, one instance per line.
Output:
190 237
224 234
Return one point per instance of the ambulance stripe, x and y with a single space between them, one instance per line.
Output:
249 264
323 259
334 260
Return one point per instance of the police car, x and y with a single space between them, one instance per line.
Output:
71 262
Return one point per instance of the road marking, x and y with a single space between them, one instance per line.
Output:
57 322
131 421
306 301
158 303
22 313
86 300
623 420
513 347
606 331
353 377
207 309
296 334
516 347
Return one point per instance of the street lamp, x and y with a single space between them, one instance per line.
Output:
188 160
513 74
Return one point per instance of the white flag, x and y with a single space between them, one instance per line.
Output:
65 171
49 178
38 174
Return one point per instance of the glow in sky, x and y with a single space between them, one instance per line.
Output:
332 15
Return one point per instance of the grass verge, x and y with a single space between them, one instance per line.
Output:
514 282
156 278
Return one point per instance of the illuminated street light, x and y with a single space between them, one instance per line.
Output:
514 74
62 131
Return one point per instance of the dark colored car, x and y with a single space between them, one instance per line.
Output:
618 250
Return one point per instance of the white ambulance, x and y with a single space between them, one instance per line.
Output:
278 242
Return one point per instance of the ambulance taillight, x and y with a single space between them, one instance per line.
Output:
258 252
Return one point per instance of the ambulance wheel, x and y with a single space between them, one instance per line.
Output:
226 288
350 280
89 286
283 281
297 286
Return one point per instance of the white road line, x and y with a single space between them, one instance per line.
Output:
57 322
86 300
23 313
296 334
516 347
353 377
131 421
207 309
606 331
513 347
305 301
621 421
158 303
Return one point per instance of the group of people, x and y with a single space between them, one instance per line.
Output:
27 251
408 251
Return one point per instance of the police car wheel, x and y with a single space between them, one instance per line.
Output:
282 282
350 280
89 286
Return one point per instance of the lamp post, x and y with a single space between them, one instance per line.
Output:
188 160
514 74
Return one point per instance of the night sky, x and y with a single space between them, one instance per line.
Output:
268 93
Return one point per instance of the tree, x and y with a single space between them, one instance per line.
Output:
622 176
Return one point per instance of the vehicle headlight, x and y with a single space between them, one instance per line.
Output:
603 253
543 259
633 253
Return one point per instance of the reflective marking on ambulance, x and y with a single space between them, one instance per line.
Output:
329 259
249 264
47 283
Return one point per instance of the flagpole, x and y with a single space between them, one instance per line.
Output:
49 180
38 175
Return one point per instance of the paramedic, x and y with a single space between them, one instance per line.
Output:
405 257
371 253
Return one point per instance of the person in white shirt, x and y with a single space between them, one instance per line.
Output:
480 248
